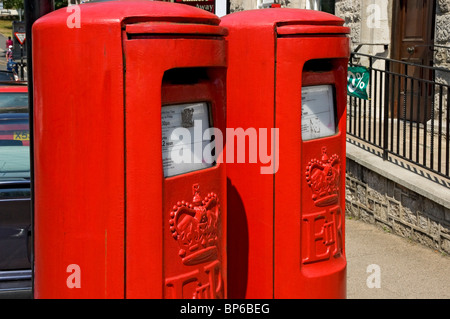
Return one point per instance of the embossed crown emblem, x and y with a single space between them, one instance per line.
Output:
323 178
194 226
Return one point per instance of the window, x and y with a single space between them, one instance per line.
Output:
14 137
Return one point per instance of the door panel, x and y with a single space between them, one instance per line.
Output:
413 40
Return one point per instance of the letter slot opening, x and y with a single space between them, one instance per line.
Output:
185 76
318 65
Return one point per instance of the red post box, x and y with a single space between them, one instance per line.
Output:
287 71
130 196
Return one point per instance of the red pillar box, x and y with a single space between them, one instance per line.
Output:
130 189
287 71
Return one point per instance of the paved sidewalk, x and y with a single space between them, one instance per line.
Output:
407 270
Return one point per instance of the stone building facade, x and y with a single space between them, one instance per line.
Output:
442 38
371 22
373 196
443 33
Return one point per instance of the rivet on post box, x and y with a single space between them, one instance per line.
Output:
130 185
287 70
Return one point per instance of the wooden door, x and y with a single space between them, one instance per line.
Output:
413 35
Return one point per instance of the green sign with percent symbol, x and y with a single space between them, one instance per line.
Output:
357 81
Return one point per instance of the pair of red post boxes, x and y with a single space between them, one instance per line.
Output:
179 155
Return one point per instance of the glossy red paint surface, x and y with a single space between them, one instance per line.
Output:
292 245
101 200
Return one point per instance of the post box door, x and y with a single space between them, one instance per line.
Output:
309 252
175 214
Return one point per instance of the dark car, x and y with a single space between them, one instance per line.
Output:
15 205
6 76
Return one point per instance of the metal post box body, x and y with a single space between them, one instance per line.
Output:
294 219
202 58
105 210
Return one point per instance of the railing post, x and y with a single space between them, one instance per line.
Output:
369 89
405 92
395 110
386 110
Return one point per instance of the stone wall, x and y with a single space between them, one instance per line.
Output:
350 11
442 34
370 22
442 38
377 200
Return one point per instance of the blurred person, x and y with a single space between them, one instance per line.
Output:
9 43
9 54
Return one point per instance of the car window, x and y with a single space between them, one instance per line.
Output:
14 137
14 102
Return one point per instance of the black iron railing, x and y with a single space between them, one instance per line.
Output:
406 114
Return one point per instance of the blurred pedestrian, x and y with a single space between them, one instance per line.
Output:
9 54
9 43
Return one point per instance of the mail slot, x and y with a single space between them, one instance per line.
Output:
287 72
130 198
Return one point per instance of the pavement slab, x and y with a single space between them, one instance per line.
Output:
403 269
